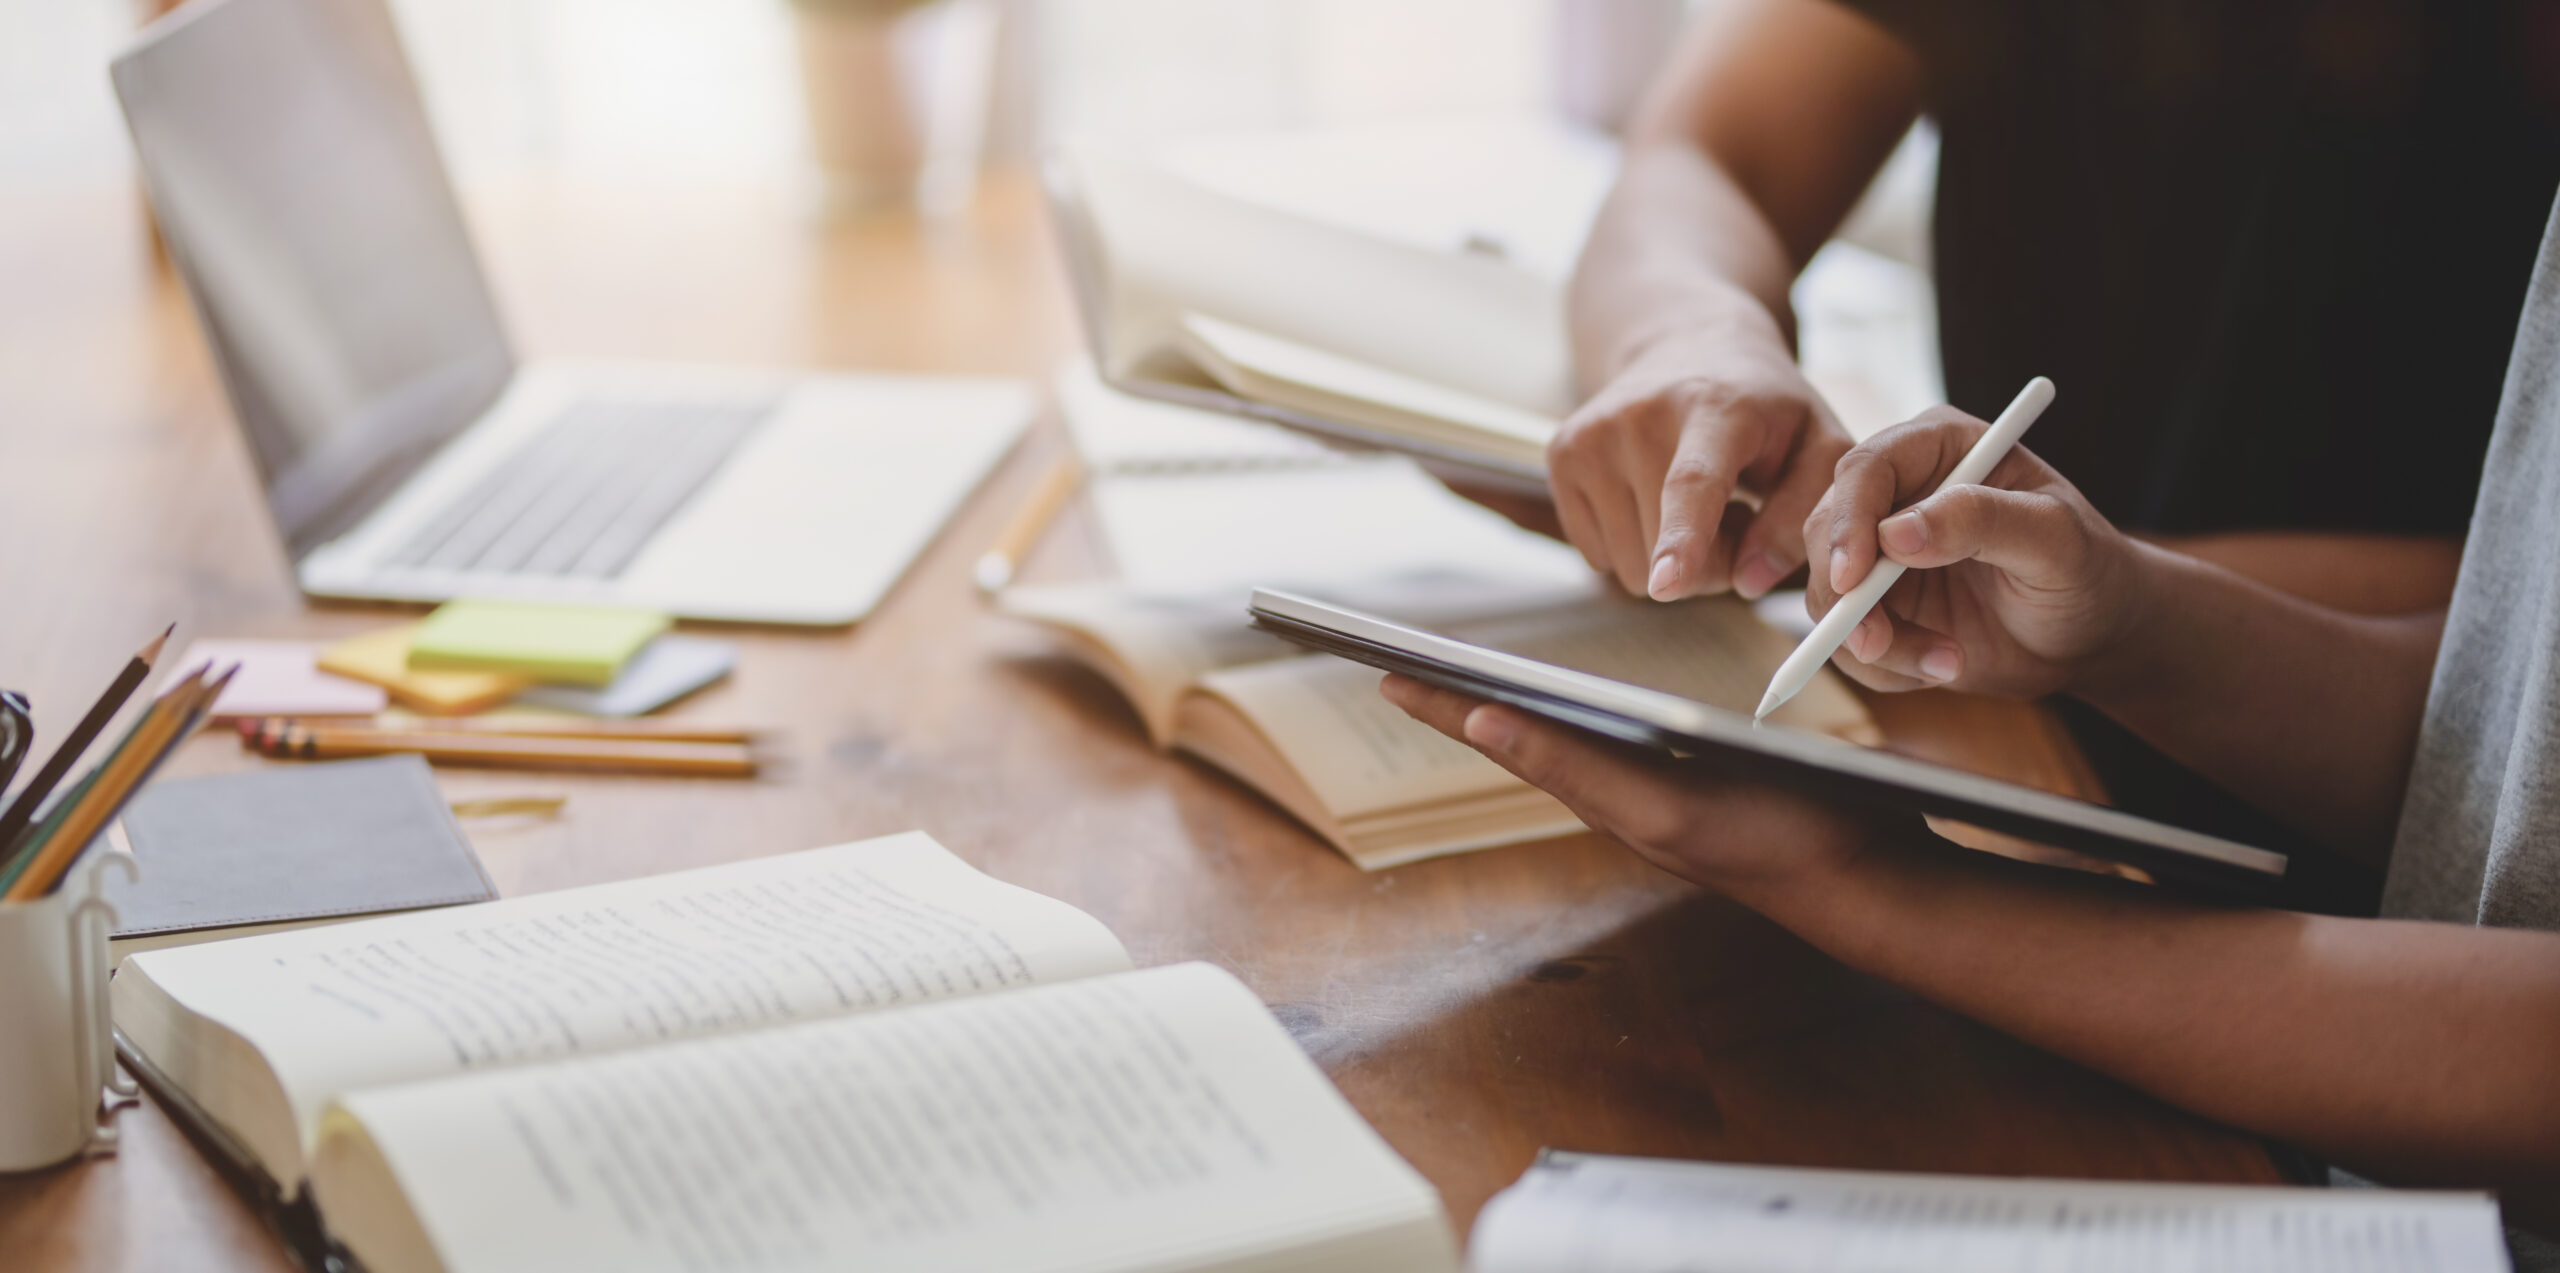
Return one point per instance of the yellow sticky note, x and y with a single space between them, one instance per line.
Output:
569 645
382 658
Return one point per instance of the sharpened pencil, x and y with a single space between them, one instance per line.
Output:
171 719
994 571
516 727
23 810
594 755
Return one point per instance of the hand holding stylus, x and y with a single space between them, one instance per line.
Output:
2018 586
1827 635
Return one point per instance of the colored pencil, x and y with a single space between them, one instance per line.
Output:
23 809
598 755
664 731
171 719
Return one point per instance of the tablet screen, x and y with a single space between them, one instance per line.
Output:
1827 766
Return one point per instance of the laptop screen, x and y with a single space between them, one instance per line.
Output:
298 187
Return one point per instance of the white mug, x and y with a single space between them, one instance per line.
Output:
58 1083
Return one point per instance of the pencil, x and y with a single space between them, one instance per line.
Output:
517 727
23 809
596 755
171 718
995 570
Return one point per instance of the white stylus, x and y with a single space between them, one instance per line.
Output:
1799 669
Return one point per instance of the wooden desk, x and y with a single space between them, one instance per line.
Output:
1473 1008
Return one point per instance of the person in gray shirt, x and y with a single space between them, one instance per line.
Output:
2421 1048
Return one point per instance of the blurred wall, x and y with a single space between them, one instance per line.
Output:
710 87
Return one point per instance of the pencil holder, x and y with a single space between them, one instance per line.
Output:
58 1082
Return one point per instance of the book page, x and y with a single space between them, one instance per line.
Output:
1358 752
1193 500
1156 644
1308 530
1171 247
1255 364
1119 433
1593 1214
1151 645
1362 755
1159 1119
853 928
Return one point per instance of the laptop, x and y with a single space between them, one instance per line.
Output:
408 454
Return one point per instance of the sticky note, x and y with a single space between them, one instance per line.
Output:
670 667
568 645
382 658
279 678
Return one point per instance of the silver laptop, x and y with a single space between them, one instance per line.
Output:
408 454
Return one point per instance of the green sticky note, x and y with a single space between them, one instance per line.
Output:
571 645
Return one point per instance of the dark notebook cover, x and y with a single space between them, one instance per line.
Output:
296 842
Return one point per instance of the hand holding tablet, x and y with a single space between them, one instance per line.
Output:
1824 766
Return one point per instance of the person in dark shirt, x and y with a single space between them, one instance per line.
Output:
2416 1049
2272 253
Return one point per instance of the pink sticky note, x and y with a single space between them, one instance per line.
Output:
280 678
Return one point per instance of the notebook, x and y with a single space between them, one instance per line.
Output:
1195 296
289 847
1589 1213
869 1056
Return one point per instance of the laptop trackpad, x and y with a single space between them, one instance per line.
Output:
813 520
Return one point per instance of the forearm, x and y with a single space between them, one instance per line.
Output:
2357 572
1769 120
2417 1053
1677 248
2308 712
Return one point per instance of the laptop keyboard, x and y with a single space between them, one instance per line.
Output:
580 498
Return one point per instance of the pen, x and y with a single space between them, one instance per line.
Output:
1799 669
995 570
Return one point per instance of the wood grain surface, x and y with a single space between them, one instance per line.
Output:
1473 1008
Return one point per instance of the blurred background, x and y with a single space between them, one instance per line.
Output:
712 88
1391 112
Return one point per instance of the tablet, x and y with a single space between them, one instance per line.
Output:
1822 765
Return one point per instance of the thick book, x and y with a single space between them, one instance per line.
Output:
1194 296
1311 733
868 1056
1590 1213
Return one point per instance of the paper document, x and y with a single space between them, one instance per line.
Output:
1597 1214
1247 505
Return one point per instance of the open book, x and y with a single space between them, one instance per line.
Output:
865 1056
1199 297
1585 1213
1311 732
